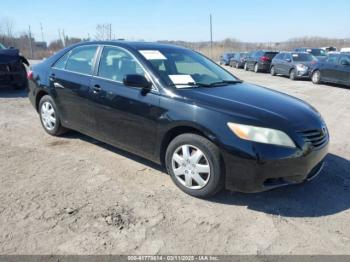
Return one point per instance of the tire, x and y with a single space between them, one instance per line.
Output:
185 173
47 112
272 71
245 67
316 77
256 68
292 75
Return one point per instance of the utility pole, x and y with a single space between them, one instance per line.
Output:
110 31
42 32
30 43
211 37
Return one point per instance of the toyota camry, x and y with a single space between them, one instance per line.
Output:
209 129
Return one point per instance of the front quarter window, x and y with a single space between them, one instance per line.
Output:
181 67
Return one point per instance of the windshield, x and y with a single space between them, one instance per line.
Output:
2 46
185 68
318 52
303 57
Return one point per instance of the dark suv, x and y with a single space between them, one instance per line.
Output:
293 64
259 61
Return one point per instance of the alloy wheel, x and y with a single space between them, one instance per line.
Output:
191 167
48 116
316 76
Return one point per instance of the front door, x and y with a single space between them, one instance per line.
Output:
126 117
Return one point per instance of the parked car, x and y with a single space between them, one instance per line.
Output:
319 53
238 60
336 69
12 68
259 61
293 64
345 50
225 58
176 107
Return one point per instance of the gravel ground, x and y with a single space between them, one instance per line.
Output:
75 195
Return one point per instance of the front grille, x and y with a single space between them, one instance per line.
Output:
316 137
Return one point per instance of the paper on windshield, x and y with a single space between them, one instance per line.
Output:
152 55
181 80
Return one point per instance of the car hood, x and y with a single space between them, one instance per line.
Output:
9 56
248 103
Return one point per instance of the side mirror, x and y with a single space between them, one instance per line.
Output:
137 81
345 63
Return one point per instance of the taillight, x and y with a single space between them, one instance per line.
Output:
264 59
30 75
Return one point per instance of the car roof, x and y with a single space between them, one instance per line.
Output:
133 44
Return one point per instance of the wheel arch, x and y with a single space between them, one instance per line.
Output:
180 129
38 97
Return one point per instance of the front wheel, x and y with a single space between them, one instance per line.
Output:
245 67
49 116
194 165
292 74
316 77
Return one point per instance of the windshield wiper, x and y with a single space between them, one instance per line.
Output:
199 84
225 82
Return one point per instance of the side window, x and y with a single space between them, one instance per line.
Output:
287 56
115 63
345 60
279 56
332 59
81 59
61 63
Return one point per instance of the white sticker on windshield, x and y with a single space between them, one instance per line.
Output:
295 55
181 80
152 54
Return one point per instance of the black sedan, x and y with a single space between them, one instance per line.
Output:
175 107
336 69
12 68
293 64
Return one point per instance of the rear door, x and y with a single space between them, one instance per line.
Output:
71 80
344 70
330 68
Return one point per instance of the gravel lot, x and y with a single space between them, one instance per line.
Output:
75 195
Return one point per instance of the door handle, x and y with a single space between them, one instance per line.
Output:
58 85
96 89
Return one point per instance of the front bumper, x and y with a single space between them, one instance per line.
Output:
272 167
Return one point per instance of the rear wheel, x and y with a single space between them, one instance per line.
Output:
316 77
256 68
272 71
194 165
49 116
292 74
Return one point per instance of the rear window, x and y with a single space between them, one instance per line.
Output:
303 57
270 54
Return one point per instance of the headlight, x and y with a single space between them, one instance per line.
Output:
301 67
261 135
